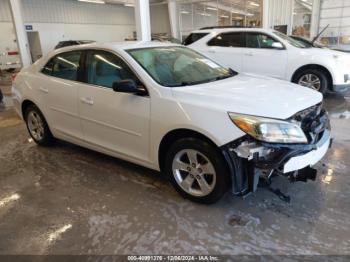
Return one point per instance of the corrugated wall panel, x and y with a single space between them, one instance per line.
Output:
280 12
5 12
74 12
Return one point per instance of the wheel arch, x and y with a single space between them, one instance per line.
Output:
25 104
314 66
175 135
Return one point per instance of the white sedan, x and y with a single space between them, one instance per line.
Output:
271 53
169 108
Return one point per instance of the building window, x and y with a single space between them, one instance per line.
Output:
336 15
197 14
302 15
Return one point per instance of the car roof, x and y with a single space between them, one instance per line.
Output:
233 29
126 45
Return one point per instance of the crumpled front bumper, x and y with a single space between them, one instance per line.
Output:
310 158
248 161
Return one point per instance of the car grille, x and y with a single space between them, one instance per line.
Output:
313 121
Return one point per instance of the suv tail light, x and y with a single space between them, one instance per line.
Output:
12 53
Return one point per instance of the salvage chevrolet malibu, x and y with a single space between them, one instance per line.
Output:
169 108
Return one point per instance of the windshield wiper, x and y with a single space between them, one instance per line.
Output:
185 83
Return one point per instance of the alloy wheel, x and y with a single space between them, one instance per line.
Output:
311 81
194 172
35 125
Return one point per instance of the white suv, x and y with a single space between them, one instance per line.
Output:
271 53
170 108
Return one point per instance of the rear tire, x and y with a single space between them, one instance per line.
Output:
197 170
37 126
313 78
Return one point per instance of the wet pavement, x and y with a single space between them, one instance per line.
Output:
70 200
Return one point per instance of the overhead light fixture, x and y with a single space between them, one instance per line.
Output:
224 16
254 4
185 12
93 1
129 5
204 14
212 8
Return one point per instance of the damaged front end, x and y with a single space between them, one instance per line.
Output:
251 160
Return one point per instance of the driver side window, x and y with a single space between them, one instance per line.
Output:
257 40
104 68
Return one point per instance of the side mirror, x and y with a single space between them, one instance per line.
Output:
128 86
277 45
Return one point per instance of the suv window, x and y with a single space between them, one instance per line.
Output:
227 40
65 65
194 37
258 40
104 68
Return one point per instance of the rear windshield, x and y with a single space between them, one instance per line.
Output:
193 38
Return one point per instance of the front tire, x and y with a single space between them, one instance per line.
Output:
37 126
313 78
197 170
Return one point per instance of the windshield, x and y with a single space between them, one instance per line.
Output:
291 41
178 66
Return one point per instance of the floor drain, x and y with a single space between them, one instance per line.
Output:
236 220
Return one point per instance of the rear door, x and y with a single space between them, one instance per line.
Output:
226 49
262 55
61 85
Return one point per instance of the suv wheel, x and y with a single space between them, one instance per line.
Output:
37 126
313 78
197 170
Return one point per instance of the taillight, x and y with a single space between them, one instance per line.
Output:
13 53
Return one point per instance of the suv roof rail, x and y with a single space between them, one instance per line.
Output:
225 26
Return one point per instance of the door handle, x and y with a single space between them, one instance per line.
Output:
44 90
211 51
87 100
248 54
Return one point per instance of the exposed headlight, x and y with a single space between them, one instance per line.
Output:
269 130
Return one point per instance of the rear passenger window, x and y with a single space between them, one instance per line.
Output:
66 65
194 37
227 40
105 68
47 69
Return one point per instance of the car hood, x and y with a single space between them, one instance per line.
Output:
325 52
250 94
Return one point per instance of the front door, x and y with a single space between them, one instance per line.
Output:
118 122
264 55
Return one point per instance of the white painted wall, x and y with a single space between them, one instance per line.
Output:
58 20
52 33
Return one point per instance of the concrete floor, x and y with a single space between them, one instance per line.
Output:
69 200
